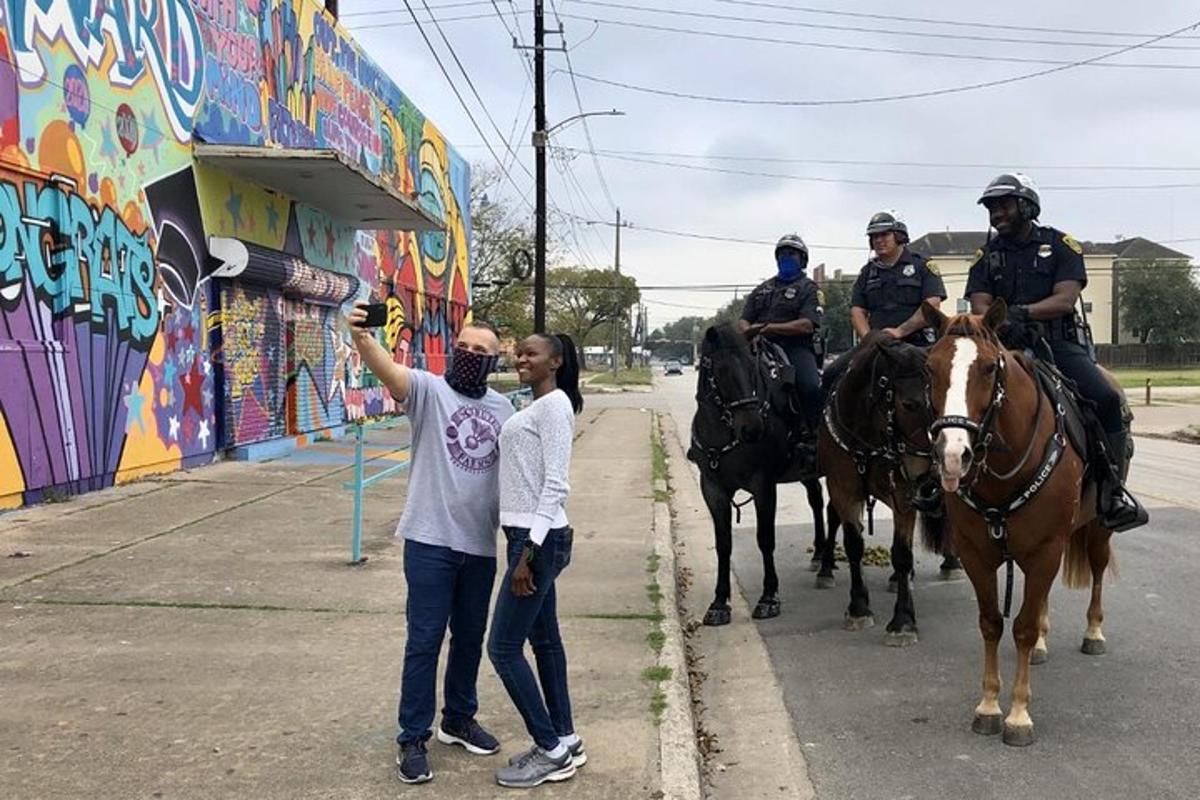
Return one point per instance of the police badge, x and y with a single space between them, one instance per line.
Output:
909 270
789 293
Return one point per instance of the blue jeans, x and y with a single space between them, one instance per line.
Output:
444 586
534 618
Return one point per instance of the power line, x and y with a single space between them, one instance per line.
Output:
894 163
409 23
474 91
587 130
895 183
741 18
745 37
929 21
885 98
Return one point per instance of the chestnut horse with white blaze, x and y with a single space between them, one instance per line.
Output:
1016 492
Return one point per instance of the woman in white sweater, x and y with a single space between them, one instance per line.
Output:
535 454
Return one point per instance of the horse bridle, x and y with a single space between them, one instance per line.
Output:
713 396
981 432
996 515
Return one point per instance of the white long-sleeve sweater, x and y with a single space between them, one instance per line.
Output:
535 455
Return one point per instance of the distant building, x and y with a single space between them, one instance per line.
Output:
954 252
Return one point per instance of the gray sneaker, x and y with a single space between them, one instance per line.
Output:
535 767
578 755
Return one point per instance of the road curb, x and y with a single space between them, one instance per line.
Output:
679 755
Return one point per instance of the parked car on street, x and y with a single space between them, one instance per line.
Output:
672 367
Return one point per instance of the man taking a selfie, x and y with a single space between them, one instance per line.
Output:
449 527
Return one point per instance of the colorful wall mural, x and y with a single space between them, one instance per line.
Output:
135 353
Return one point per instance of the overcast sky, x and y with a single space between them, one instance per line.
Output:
1060 127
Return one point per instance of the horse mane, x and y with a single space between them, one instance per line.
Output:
726 335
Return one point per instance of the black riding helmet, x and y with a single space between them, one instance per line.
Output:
793 242
1014 184
884 222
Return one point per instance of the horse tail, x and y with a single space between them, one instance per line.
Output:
933 530
1087 543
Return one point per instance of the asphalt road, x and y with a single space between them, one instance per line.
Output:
881 723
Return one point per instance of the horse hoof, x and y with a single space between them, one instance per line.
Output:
716 616
825 582
767 608
1039 656
988 724
1018 736
852 623
954 574
905 637
1093 647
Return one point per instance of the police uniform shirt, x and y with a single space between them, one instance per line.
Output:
1026 272
891 295
776 301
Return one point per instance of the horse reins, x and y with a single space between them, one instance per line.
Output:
893 450
996 516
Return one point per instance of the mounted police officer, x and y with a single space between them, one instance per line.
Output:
1039 271
889 291
786 310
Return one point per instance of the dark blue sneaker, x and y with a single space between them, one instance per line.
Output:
412 763
470 735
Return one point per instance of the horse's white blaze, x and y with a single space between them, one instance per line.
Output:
955 441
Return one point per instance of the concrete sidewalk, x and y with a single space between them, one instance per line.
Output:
201 635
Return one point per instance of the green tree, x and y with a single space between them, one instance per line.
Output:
1159 302
730 312
579 301
836 323
501 232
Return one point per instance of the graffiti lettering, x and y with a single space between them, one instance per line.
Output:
160 36
234 93
286 130
77 258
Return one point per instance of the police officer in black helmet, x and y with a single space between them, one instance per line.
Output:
889 291
786 310
1039 272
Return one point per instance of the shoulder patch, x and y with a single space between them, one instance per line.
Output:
1070 242
979 254
934 269
820 297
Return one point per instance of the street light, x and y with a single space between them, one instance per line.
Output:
541 135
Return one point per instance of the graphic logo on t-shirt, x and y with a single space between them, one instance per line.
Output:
473 438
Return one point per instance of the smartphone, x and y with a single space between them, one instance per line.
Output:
377 314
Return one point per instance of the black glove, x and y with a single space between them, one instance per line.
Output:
1019 315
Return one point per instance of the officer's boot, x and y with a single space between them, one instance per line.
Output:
1119 509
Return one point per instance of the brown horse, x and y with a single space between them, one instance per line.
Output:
873 443
1015 492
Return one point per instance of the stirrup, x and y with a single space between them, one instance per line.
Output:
1126 513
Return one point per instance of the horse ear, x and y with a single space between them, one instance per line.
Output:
933 316
996 314
711 336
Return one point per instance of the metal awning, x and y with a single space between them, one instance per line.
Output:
323 179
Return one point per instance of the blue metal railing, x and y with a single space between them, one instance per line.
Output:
520 398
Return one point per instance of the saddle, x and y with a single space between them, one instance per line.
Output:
1083 428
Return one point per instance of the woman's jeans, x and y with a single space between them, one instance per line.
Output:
534 618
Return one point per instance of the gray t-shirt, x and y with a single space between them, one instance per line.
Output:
453 484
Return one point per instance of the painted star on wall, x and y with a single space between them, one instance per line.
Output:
203 434
153 136
173 422
234 206
312 235
272 218
193 385
330 239
134 402
169 371
108 144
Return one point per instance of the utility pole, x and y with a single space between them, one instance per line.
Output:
620 316
539 144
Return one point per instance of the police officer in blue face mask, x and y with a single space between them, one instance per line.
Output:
786 310
1039 271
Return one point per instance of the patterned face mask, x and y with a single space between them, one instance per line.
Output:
468 371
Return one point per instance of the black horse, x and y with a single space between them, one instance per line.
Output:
874 443
747 434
